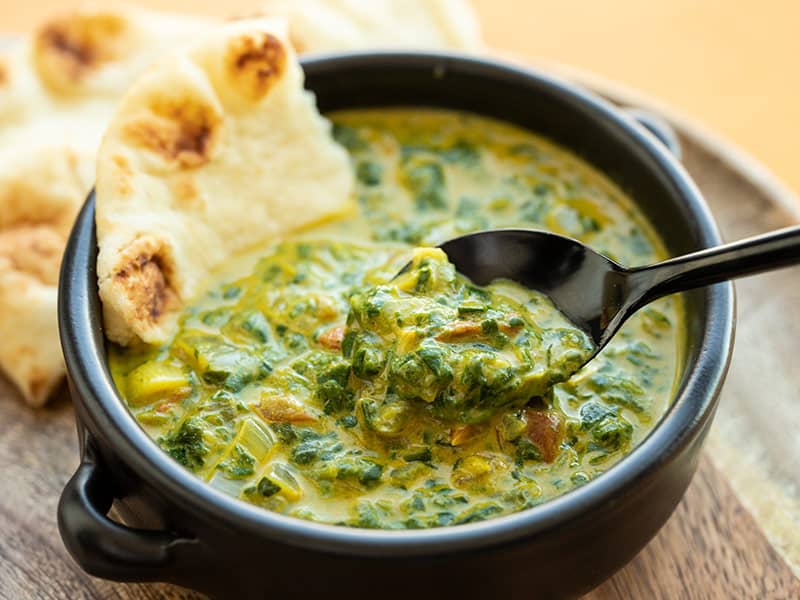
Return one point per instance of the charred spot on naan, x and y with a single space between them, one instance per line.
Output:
185 192
123 176
180 130
144 280
255 62
69 49
121 163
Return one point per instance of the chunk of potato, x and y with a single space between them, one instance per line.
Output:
153 381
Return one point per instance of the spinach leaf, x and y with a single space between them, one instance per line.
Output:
186 444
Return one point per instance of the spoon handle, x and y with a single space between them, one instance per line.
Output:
753 255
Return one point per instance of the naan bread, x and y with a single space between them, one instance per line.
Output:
57 93
30 352
325 25
213 150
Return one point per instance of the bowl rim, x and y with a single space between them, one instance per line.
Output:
693 405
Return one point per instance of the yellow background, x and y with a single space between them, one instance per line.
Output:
732 64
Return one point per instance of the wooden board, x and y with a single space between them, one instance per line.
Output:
710 548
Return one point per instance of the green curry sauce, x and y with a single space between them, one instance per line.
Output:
311 381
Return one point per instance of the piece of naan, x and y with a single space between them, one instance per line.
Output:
213 150
326 25
57 92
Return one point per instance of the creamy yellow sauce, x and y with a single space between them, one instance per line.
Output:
263 393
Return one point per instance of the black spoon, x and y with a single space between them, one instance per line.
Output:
596 293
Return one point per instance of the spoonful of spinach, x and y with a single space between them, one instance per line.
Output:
432 337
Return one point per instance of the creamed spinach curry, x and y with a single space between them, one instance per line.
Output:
312 382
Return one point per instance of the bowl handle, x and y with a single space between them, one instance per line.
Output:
107 549
658 127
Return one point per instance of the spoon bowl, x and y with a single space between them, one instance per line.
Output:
594 292
584 285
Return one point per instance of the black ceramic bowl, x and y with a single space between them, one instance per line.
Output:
179 529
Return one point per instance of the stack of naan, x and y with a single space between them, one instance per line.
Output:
58 91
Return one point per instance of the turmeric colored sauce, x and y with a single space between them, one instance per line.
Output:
310 381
